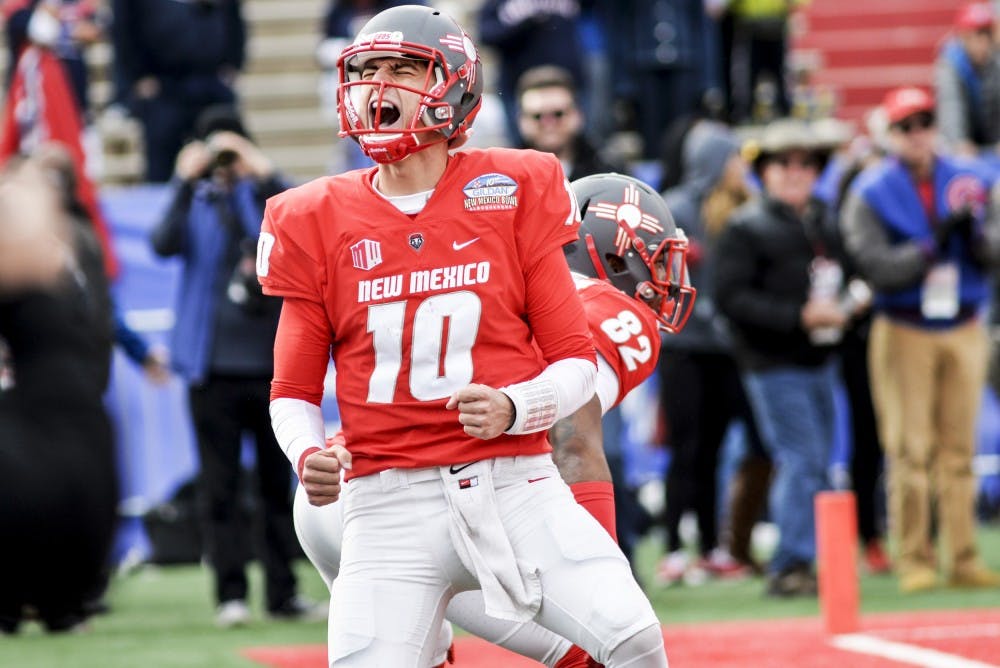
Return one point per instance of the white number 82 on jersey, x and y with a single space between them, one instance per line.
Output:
624 329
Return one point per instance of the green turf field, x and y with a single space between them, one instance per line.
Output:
161 616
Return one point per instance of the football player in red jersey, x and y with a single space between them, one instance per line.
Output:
647 271
428 278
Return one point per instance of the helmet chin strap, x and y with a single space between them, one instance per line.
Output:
397 149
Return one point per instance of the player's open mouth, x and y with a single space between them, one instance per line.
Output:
389 113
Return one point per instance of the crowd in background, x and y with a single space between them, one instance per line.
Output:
826 256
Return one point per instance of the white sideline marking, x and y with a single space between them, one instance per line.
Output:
897 651
951 631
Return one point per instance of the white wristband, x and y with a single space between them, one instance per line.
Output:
536 404
555 393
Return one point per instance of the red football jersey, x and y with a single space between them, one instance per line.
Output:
420 306
625 332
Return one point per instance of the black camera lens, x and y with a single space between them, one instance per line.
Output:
225 158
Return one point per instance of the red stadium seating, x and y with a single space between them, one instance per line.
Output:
855 50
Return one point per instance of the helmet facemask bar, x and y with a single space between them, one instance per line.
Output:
658 272
669 291
434 113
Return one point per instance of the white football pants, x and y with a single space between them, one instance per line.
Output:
400 571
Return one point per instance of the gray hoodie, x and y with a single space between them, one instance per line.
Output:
707 148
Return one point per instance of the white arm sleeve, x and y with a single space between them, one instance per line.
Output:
607 384
558 391
298 426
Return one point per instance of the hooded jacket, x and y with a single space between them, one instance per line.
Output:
706 151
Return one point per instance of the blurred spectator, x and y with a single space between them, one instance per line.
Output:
778 280
672 143
746 500
597 72
57 160
866 453
221 345
173 60
57 163
920 229
754 53
152 359
66 27
58 482
846 155
967 83
550 120
40 108
699 358
664 63
527 33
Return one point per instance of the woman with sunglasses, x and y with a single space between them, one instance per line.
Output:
923 228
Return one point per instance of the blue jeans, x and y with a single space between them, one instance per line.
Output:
794 409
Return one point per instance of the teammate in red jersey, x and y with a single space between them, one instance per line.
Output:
626 335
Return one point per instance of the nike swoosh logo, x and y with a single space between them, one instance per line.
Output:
457 246
531 480
457 469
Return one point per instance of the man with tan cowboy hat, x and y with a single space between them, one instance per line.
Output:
779 280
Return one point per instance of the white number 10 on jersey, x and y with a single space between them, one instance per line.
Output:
443 333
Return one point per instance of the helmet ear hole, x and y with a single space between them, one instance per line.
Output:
615 262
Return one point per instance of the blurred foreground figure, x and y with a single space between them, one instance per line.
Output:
58 487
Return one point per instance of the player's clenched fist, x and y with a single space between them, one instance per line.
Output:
321 471
486 412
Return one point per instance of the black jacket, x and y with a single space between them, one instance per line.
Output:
762 281
176 41
588 161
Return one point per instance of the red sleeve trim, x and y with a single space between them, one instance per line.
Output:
302 461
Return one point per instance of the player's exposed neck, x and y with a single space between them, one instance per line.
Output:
416 173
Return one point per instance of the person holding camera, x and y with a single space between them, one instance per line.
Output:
923 228
221 345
